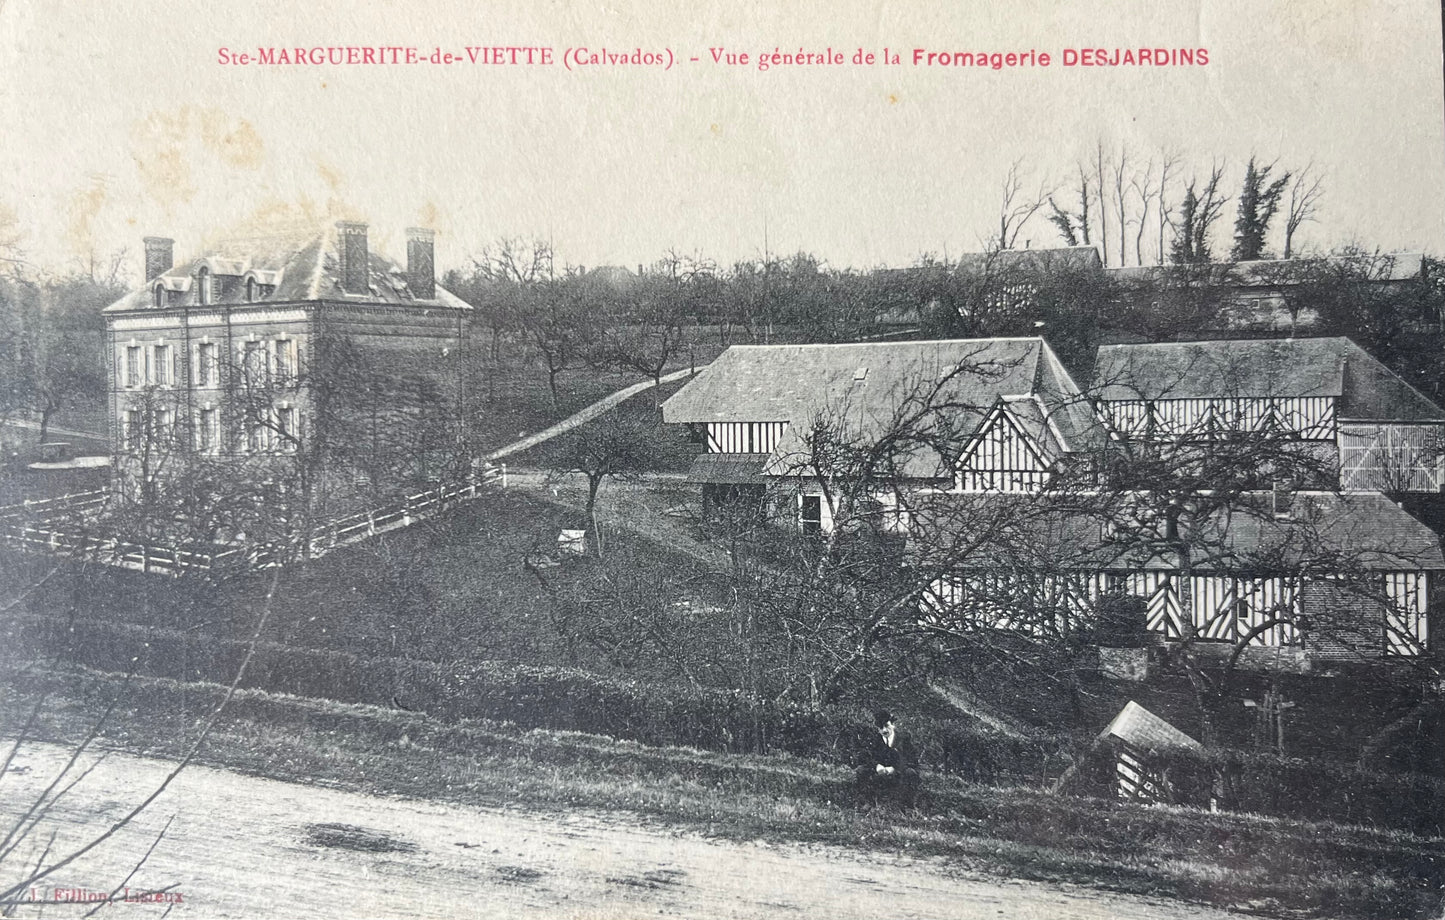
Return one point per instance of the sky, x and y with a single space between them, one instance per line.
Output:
120 122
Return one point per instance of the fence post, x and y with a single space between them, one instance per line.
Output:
504 475
370 523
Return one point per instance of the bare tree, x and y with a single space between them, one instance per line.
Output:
51 343
1164 211
615 446
646 327
1120 168
1016 206
1100 195
1305 191
1140 184
497 282
559 323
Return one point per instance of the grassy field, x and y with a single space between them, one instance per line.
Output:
457 588
669 450
1271 867
512 399
452 587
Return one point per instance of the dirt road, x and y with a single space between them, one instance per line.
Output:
239 846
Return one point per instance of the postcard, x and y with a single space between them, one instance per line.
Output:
604 460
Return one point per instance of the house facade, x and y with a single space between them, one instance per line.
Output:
246 352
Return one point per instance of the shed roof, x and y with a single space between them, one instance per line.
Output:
1059 257
1142 729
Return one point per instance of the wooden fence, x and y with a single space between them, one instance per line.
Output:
77 501
24 527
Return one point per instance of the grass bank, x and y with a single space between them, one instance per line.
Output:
1269 866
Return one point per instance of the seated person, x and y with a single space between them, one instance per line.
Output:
889 765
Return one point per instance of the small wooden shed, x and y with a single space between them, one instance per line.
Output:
1137 736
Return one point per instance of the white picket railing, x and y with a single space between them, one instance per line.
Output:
77 501
41 537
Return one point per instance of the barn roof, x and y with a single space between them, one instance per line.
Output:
861 388
1276 273
1320 531
1061 257
1286 368
294 263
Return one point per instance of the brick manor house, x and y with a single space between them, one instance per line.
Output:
218 358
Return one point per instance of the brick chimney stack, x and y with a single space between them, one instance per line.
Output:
421 272
160 256
353 255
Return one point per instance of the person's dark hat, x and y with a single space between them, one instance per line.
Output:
882 717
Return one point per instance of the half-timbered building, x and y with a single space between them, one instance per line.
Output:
978 415
1328 394
1337 575
1325 569
1267 296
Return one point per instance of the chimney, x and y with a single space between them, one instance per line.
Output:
160 256
421 273
354 258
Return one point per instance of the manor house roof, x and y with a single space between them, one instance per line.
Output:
287 264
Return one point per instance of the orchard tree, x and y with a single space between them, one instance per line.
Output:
51 339
559 321
612 446
646 327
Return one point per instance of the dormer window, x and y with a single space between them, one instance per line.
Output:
158 295
250 290
203 286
